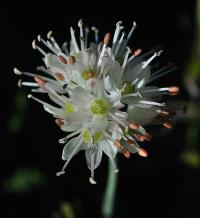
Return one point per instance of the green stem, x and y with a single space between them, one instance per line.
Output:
109 195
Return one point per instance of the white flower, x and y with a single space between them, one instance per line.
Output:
102 94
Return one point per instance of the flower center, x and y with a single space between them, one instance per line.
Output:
87 74
99 107
69 108
127 87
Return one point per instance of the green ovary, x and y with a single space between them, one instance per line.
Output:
127 88
87 136
69 108
99 107
97 137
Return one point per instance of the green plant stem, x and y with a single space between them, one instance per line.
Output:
110 192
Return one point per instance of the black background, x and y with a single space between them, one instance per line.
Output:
159 186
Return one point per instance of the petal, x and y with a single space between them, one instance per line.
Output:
80 95
72 147
140 115
131 148
97 156
71 127
108 148
99 124
56 100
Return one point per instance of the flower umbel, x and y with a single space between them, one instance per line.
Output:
102 94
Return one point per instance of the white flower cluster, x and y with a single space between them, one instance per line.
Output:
102 92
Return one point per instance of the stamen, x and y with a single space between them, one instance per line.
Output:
106 41
147 136
17 72
87 30
62 59
34 75
126 58
40 81
92 181
55 44
117 143
38 48
168 125
126 153
107 135
50 46
135 54
60 173
19 83
43 69
117 120
174 90
124 63
96 32
146 63
43 84
59 76
143 152
119 44
76 48
157 74
49 34
130 142
49 108
139 137
131 32
32 84
80 24
152 103
64 48
64 140
134 126
72 60
116 171
116 34
79 142
107 38
59 122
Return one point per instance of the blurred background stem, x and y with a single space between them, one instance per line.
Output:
110 192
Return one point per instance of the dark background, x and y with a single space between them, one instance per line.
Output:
159 186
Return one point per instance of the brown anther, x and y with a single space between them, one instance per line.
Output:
143 152
168 125
134 126
126 153
107 38
62 59
59 122
117 143
72 60
174 90
139 137
40 81
90 74
147 136
130 142
59 77
137 52
164 113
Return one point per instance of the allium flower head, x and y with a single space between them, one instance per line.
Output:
102 94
